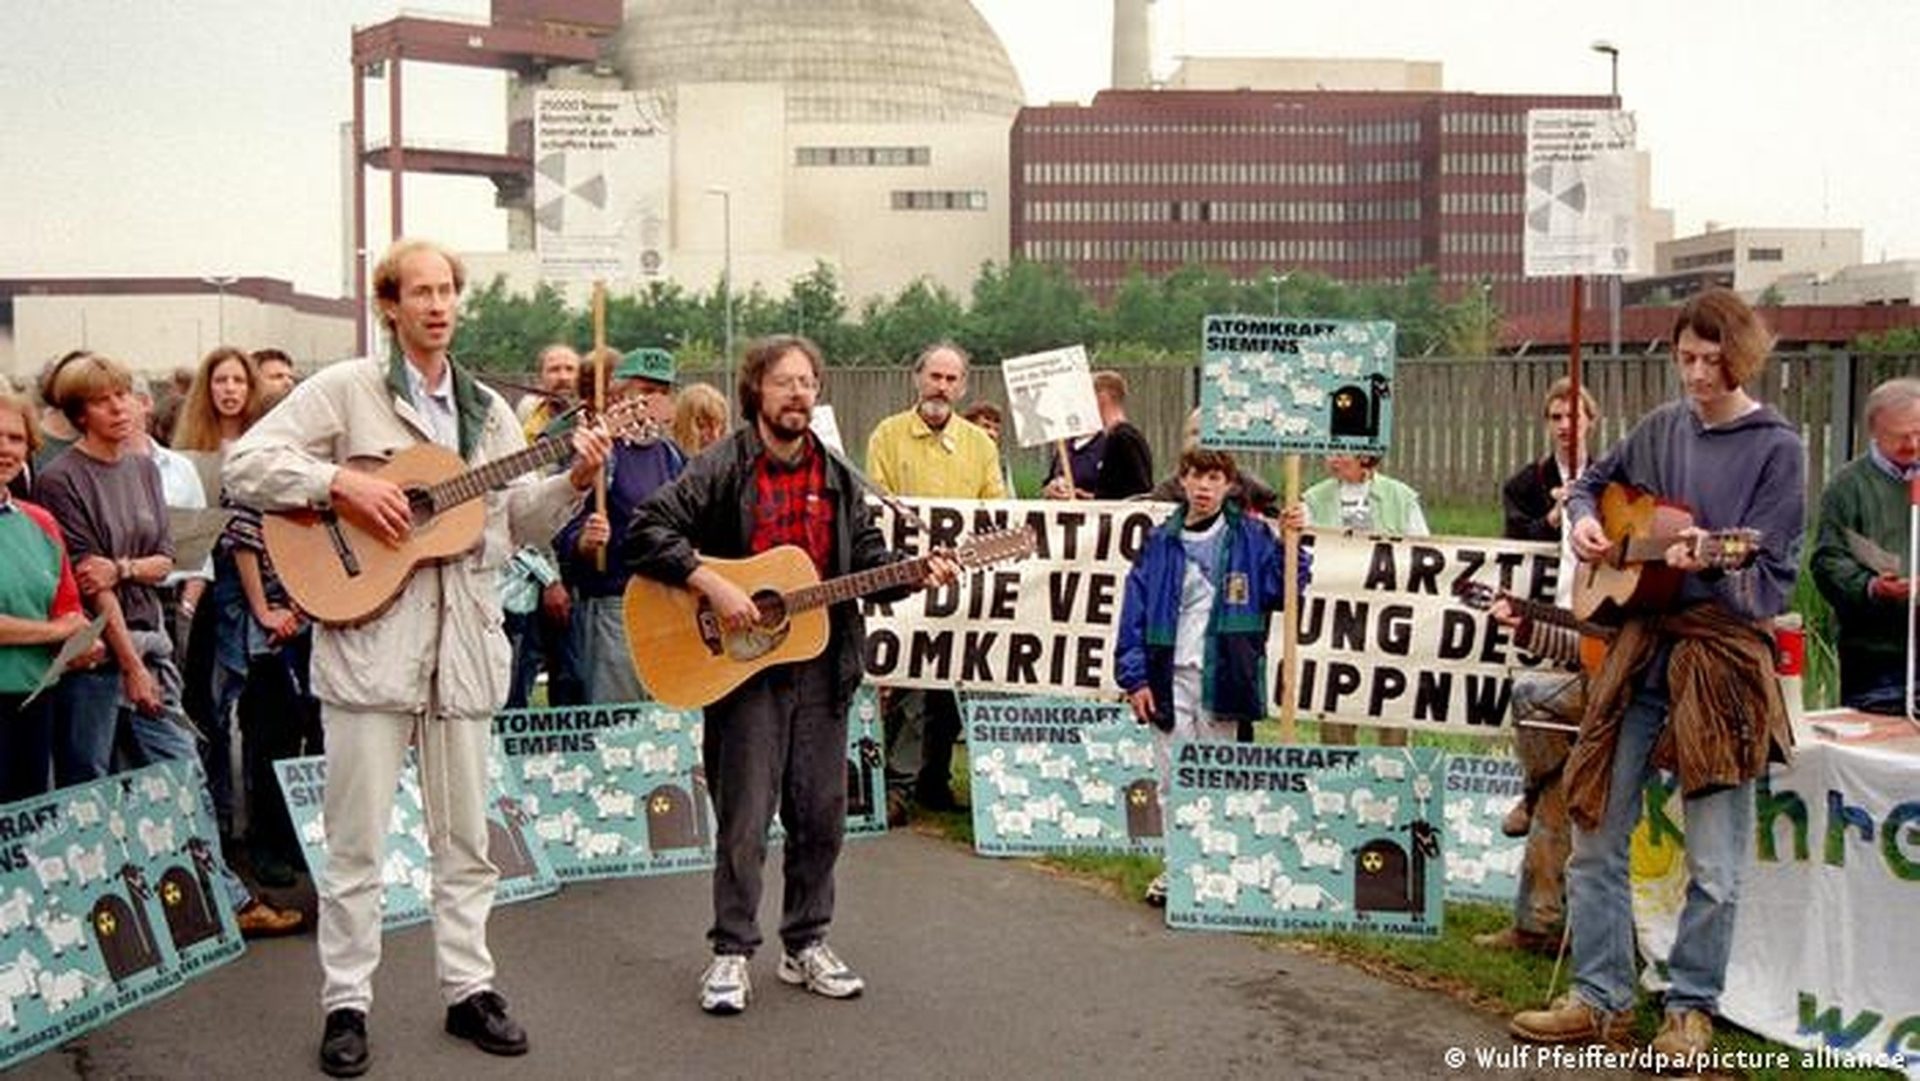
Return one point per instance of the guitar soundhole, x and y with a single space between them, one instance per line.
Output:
765 637
421 502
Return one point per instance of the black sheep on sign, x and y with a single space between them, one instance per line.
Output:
1389 878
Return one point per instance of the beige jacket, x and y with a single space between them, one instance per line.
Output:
440 645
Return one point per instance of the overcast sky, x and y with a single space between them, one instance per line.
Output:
202 137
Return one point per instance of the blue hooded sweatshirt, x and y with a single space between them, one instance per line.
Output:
1749 473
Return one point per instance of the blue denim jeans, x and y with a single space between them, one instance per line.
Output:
1719 835
93 708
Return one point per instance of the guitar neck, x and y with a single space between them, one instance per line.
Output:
906 572
480 480
1557 616
1646 549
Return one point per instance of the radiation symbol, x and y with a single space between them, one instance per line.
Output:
170 894
106 924
1372 863
1137 797
662 804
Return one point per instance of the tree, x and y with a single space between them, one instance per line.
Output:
1024 307
503 332
923 313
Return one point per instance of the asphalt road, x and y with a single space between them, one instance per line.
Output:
975 968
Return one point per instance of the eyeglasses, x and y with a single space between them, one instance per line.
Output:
790 383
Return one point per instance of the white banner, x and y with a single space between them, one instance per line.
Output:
1824 954
1583 193
1382 640
601 162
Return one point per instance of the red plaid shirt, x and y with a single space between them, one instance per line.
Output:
790 505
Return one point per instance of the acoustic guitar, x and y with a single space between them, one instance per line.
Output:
687 659
341 574
1634 576
1552 632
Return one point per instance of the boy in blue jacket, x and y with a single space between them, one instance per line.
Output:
1192 650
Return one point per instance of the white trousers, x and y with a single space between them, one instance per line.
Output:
1191 724
365 752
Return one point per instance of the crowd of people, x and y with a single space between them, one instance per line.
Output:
140 510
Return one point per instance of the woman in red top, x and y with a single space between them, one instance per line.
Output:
39 609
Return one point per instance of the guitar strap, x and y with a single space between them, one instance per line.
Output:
878 492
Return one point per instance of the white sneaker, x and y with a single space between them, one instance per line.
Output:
820 971
726 986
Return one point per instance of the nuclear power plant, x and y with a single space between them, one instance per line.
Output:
870 135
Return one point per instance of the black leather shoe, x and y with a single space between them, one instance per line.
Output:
343 1046
483 1019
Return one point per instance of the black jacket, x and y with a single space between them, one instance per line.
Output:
708 510
1528 498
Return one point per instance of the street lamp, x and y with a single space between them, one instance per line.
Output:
726 272
1613 61
1612 52
220 282
1278 280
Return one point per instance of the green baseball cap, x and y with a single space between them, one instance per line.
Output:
654 364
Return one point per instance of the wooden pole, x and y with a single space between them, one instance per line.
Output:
1290 613
1573 374
601 358
1066 467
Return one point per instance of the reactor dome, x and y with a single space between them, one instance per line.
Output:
841 61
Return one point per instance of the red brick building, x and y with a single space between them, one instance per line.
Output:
1358 186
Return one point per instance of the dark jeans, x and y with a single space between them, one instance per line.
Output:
1874 682
279 719
780 740
921 729
535 639
26 747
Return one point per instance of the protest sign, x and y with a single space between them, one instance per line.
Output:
601 163
1263 837
407 876
1382 640
1060 775
1583 193
1051 396
614 790
1824 954
1309 386
1483 864
1040 626
827 427
109 898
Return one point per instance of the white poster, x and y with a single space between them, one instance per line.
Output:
1051 395
601 164
1824 955
1583 193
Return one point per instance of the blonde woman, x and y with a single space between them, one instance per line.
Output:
699 417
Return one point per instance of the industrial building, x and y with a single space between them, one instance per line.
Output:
867 134
1353 184
155 325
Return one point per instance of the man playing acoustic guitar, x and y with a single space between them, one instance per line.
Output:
1691 690
431 668
779 739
